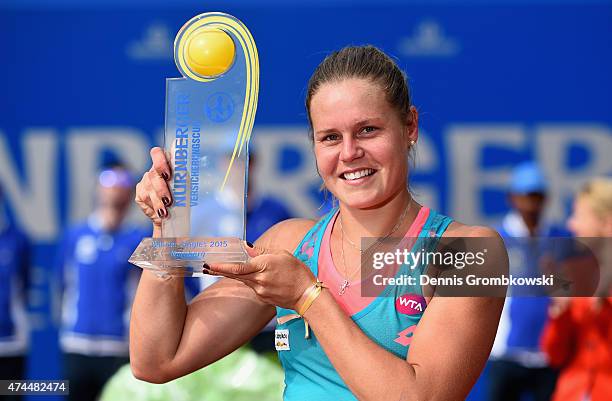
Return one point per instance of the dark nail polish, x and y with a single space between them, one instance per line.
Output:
250 245
161 213
206 266
165 201
165 176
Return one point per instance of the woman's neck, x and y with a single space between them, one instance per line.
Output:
379 221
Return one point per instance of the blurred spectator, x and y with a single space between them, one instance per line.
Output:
578 336
517 366
262 213
14 272
97 284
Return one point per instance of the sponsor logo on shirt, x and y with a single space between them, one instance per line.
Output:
404 337
281 340
410 304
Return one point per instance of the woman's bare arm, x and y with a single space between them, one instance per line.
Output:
169 339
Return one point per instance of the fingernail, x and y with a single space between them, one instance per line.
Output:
250 245
165 201
206 269
165 176
161 213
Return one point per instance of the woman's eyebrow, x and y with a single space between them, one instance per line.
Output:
326 131
369 120
358 123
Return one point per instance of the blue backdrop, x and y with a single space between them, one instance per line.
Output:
496 82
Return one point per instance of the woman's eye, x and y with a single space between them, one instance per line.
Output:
368 130
330 137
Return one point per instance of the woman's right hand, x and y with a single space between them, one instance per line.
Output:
152 192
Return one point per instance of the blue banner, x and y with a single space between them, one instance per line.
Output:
494 83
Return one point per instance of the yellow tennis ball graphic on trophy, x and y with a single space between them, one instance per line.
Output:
209 52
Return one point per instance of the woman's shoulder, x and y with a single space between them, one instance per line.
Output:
458 229
286 234
481 239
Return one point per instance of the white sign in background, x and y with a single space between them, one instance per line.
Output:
32 191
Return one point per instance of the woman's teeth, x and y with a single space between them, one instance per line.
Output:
358 174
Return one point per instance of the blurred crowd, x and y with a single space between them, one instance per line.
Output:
551 348
555 348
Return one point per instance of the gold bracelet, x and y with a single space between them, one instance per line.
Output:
311 294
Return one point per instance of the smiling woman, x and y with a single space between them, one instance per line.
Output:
362 161
363 129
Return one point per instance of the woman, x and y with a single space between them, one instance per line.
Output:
578 336
363 127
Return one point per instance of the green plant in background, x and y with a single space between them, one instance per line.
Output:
241 376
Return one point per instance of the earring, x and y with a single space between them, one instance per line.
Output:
412 143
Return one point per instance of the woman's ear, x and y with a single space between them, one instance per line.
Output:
412 127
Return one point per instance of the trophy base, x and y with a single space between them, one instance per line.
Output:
185 256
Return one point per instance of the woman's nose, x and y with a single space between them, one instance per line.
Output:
351 149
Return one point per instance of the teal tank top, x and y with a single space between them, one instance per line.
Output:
309 375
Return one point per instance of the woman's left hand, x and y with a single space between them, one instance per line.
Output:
276 276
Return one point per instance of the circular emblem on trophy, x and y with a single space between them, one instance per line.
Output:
219 107
203 53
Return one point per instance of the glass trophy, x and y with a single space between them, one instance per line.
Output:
209 118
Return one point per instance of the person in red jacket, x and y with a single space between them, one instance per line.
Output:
578 336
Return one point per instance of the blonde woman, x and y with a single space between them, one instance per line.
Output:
578 336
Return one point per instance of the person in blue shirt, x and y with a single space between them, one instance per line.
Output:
263 212
97 284
517 366
14 283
